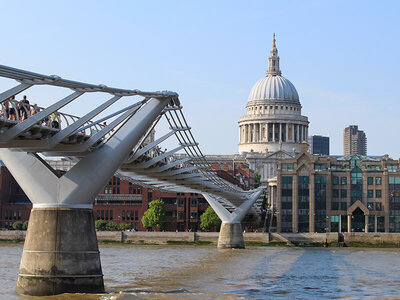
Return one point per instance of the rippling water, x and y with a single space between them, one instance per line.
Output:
140 272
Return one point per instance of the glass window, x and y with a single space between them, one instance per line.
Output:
394 180
392 168
370 205
335 205
335 180
343 180
335 219
286 179
378 180
303 179
378 194
378 206
320 167
287 167
343 193
320 179
343 205
335 193
370 194
370 180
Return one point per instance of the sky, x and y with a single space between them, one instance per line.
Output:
342 57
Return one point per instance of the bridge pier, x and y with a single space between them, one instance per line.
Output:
60 253
230 236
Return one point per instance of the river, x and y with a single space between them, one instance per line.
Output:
188 272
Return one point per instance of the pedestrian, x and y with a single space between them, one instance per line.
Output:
34 109
54 120
10 110
23 108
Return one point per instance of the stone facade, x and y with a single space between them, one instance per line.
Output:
336 194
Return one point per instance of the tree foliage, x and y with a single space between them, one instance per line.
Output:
155 215
100 225
111 226
209 219
17 225
123 226
257 179
25 225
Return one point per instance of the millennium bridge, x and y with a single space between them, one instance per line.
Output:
61 252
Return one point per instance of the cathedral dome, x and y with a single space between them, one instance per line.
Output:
274 89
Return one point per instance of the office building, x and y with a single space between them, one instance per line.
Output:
354 141
319 144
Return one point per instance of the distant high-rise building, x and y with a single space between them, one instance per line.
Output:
354 141
319 144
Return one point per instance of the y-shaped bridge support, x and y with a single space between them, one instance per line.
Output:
231 235
60 252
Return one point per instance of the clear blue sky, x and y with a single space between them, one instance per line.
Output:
342 56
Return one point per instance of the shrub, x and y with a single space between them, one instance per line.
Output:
124 226
100 225
17 225
25 225
111 226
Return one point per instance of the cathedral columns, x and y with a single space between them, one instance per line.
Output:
298 133
280 132
293 133
287 132
260 132
273 132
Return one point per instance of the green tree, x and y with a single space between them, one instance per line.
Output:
25 225
100 225
209 219
123 226
17 225
111 226
155 215
257 180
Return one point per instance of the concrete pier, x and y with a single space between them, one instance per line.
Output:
230 236
60 253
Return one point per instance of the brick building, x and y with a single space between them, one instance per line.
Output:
121 201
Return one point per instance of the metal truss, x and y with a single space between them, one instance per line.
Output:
53 133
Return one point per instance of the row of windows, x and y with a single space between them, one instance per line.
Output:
12 215
339 205
114 181
374 206
335 193
287 167
378 193
116 190
132 215
276 107
378 180
322 167
343 180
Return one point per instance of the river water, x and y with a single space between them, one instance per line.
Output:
188 272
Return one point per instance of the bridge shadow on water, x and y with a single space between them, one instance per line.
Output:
296 273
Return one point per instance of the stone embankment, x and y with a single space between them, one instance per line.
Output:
251 238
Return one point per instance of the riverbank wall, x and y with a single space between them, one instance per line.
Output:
251 238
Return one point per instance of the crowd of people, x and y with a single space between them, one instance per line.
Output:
15 110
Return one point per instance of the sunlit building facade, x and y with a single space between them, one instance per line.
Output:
336 194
